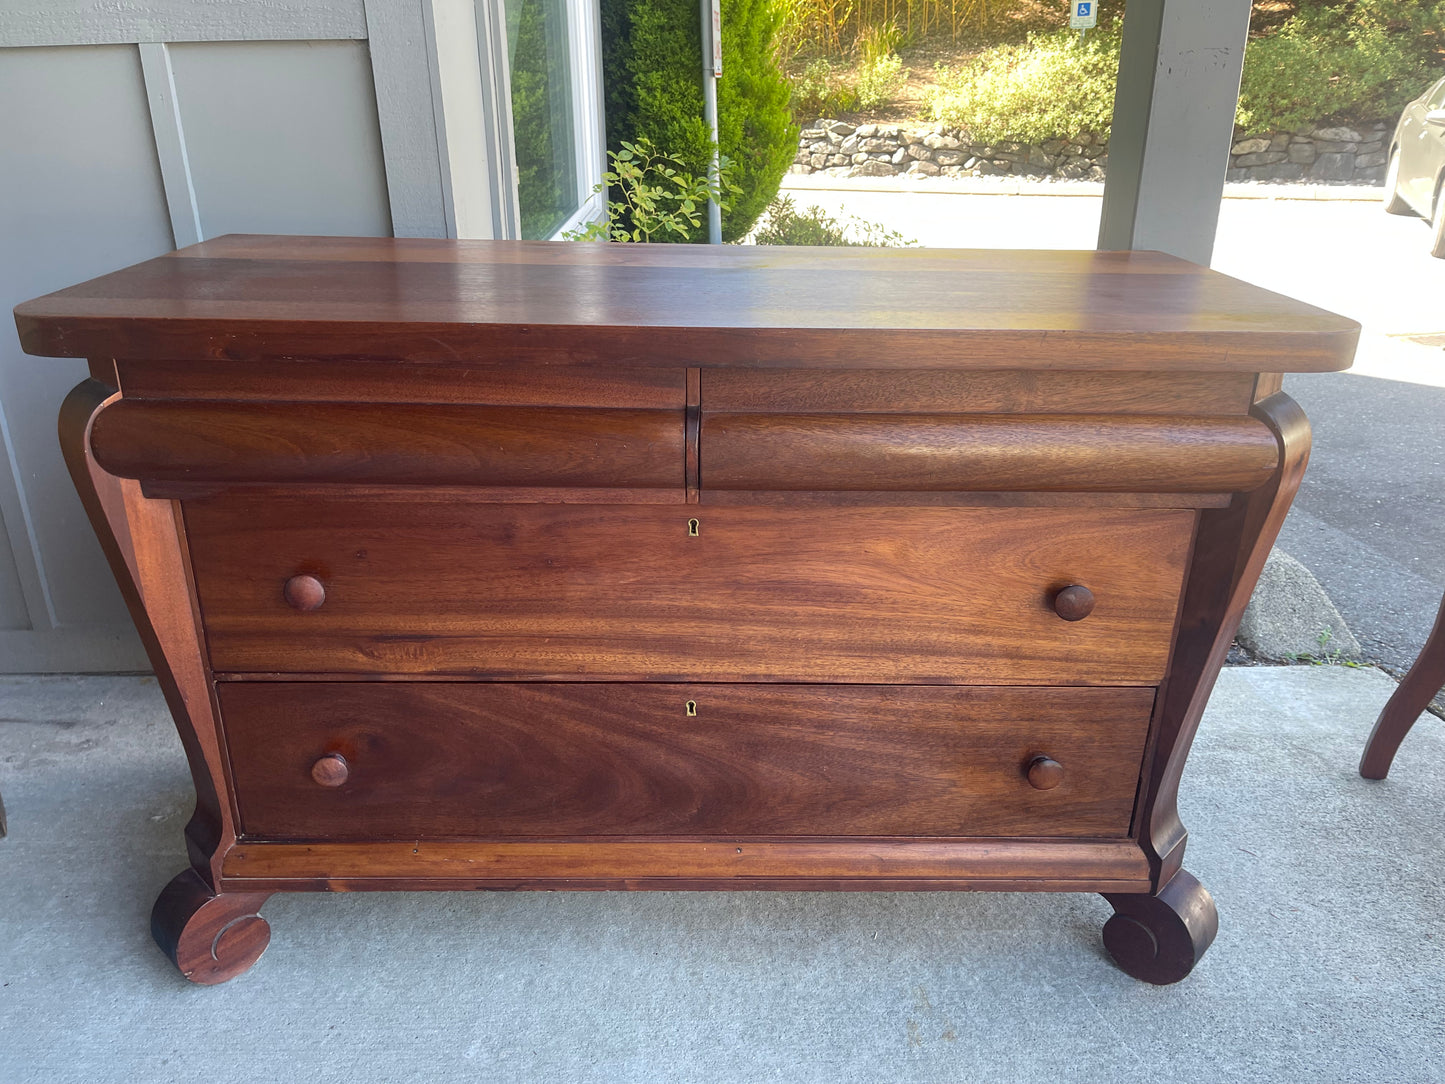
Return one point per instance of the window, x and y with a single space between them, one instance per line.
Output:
545 66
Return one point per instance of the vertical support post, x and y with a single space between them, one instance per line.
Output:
1179 70
711 73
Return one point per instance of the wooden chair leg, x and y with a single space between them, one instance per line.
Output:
1418 688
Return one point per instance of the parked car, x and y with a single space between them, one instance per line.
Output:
1416 176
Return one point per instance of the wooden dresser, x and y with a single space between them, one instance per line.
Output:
474 565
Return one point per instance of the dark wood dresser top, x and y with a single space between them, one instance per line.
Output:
241 297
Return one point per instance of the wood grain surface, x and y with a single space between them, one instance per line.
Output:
948 391
981 452
390 443
473 302
539 760
931 595
887 865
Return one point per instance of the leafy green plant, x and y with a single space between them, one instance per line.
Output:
652 62
822 91
879 80
658 201
784 224
1053 86
1361 60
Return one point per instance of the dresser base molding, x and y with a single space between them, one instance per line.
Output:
893 865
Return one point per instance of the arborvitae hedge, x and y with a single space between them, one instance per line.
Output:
652 64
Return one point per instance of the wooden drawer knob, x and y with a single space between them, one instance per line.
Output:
1045 773
1074 603
332 770
305 592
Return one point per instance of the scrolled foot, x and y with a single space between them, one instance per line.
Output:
1159 938
210 937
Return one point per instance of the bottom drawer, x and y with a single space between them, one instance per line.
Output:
375 761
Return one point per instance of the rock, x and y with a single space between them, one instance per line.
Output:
949 158
987 168
1373 175
1075 169
882 156
838 160
1367 161
1096 173
1324 146
1236 176
1370 148
841 127
850 145
807 135
871 168
940 142
873 145
797 168
1283 171
1250 146
920 151
1052 146
1333 167
1269 158
1291 616
818 161
1301 139
900 156
925 169
867 131
820 146
1337 135
859 158
970 163
834 138
1303 153
952 171
1279 141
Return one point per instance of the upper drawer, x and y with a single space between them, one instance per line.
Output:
933 595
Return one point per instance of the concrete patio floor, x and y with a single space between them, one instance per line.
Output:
1329 966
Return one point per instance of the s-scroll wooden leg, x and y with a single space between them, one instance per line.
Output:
1417 689
1159 938
210 937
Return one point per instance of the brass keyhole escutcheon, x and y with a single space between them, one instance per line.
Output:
690 708
692 528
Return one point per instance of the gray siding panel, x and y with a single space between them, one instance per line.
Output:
106 22
81 196
282 137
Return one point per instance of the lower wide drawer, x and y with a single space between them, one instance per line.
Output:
536 761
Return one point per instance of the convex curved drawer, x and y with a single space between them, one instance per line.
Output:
335 761
744 593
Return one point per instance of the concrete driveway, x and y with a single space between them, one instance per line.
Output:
1368 520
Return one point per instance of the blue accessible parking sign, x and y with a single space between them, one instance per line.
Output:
1082 15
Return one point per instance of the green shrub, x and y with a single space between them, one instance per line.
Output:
784 224
659 202
1362 61
1053 86
878 80
653 63
821 91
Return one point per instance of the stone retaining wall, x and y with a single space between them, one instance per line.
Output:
840 149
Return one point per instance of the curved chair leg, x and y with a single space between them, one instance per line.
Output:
1418 688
